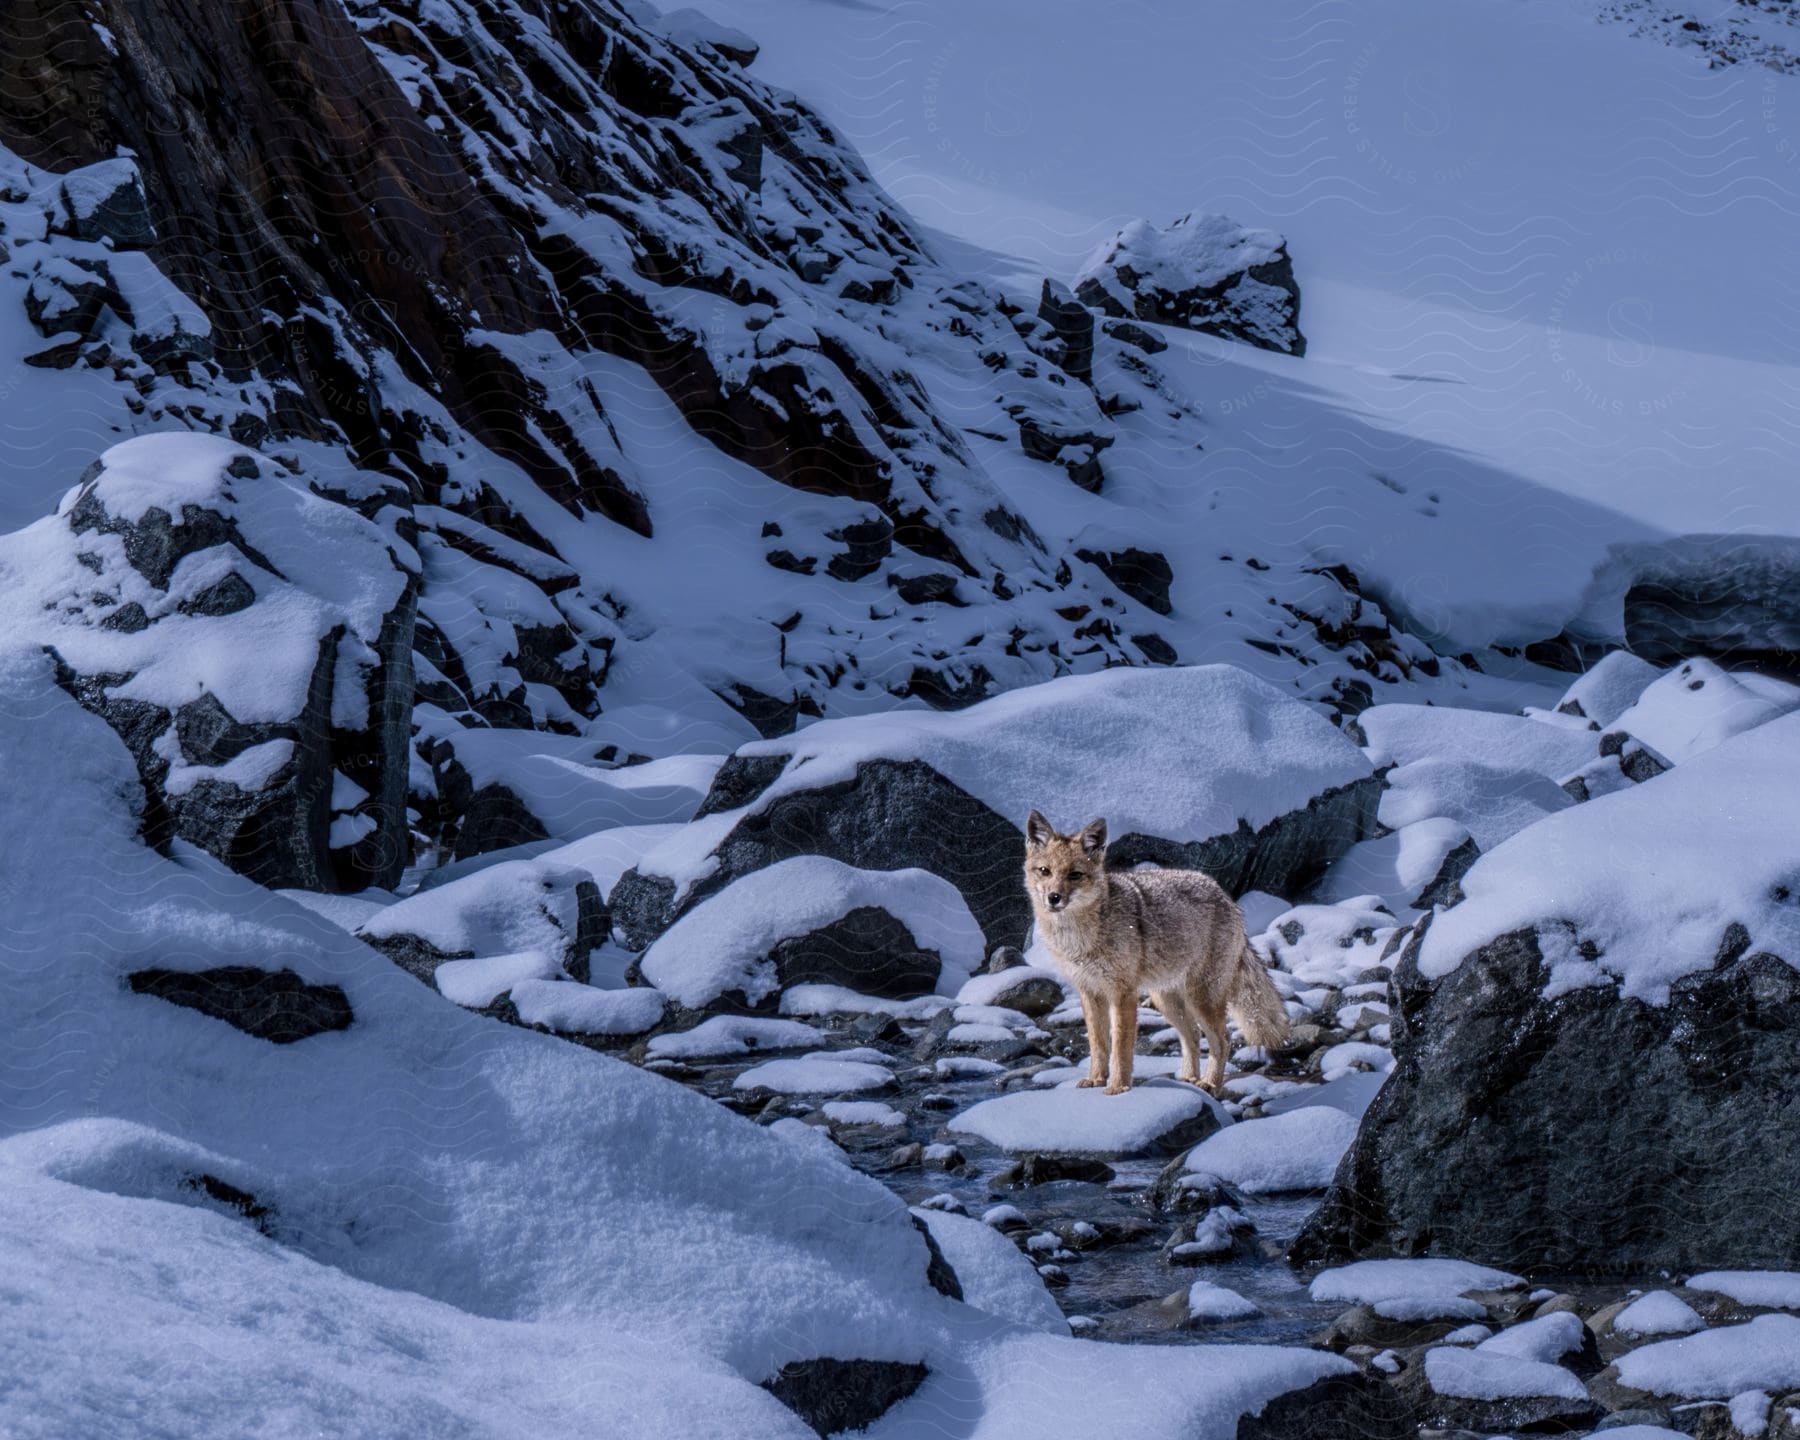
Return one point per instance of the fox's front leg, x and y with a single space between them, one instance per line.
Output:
1093 1010
1124 1040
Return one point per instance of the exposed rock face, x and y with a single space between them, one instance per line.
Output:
832 1395
250 639
1339 1407
868 951
272 1005
1205 272
891 815
1581 1133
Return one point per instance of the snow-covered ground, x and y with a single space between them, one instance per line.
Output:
1547 290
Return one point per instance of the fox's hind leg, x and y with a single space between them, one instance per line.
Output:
1099 1028
1124 1039
1218 1044
1175 1010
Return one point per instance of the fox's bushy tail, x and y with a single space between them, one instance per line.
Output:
1254 1002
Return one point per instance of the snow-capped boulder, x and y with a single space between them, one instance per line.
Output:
810 920
512 908
1697 706
1205 767
1609 689
1205 272
1158 1116
1594 1052
246 628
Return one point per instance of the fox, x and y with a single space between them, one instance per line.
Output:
1174 933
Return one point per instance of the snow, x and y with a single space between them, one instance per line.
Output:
724 1037
1770 1289
1413 1289
984 989
819 1000
1183 754
1207 1301
1482 1374
432 1178
510 907
574 1009
1068 1121
995 1276
863 1112
1763 1354
1651 876
1404 734
1611 688
480 982
1341 1060
1490 802
1352 1093
814 1075
1546 1338
1396 867
723 943
1658 1313
1296 1150
1750 1412
1697 706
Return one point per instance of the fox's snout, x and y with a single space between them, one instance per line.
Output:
1054 900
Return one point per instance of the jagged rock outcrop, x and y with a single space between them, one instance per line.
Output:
1206 273
247 631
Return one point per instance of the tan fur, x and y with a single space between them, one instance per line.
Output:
1174 933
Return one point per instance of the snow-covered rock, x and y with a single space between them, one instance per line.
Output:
724 1037
811 920
1296 1150
1697 706
1607 691
1413 1289
1155 1116
1609 999
246 628
1205 767
1204 272
1657 1313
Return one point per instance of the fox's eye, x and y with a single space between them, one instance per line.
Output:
1076 877
1043 869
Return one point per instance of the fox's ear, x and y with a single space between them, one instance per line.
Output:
1093 837
1037 831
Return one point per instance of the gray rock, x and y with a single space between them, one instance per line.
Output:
830 1394
1357 1406
275 1005
1504 1107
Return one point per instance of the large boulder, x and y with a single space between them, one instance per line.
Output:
1205 272
1205 767
810 920
249 637
1595 1059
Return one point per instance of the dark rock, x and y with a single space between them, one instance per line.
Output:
1002 957
1029 1170
934 589
739 781
1167 1194
1283 857
1033 993
1157 650
1076 451
866 544
495 819
225 596
1143 575
937 1269
832 1395
1446 886
1504 1106
1259 304
1136 336
272 1005
1360 1325
128 618
1507 1415
1073 324
239 1202
892 814
419 958
1357 1406
867 951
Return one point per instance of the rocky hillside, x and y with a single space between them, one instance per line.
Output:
576 310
